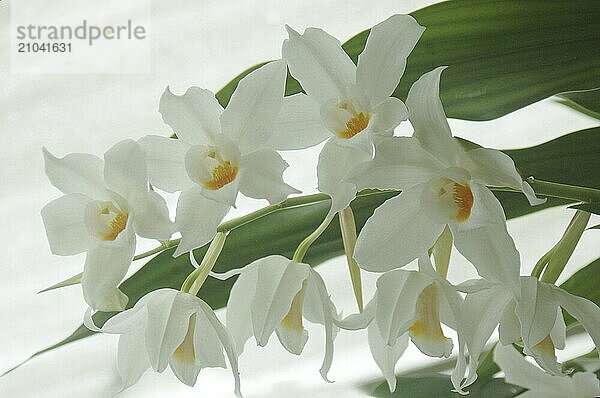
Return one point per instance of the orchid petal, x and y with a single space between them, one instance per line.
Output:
132 359
427 116
166 162
105 267
386 356
125 170
251 113
315 279
382 63
263 176
239 315
76 173
64 220
387 115
194 116
334 163
398 232
399 163
197 219
299 124
152 216
536 310
317 60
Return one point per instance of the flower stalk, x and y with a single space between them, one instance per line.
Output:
310 239
196 278
348 228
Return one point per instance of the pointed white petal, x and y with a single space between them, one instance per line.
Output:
397 294
132 359
194 116
291 339
166 162
509 330
388 115
335 161
494 168
522 373
360 320
318 62
582 309
197 219
186 372
76 173
169 312
151 216
263 176
559 331
250 115
105 267
125 170
207 343
278 282
399 163
64 220
386 356
327 307
226 342
239 316
299 124
382 63
73 280
398 232
493 253
127 321
427 116
536 310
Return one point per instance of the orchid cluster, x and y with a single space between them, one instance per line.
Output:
445 201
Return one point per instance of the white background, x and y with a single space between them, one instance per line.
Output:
201 43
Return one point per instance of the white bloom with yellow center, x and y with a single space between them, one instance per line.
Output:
518 371
348 105
167 327
442 184
534 320
220 152
410 304
275 294
106 203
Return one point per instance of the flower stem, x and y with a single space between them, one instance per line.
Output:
564 191
348 228
310 239
196 278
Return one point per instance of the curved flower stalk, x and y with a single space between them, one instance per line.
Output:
519 372
106 203
167 327
347 105
275 294
219 152
442 185
535 320
411 304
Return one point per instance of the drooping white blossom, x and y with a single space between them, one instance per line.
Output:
442 185
106 203
167 327
518 371
220 152
534 320
274 295
348 105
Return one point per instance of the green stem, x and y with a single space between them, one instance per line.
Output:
348 228
196 278
310 239
544 188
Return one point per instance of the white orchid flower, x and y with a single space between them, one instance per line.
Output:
410 304
350 106
167 327
106 203
275 294
442 185
534 320
219 152
518 371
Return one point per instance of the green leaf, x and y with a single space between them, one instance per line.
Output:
584 283
589 207
586 102
440 386
501 54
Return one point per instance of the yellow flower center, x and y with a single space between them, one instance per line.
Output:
463 198
355 125
293 319
221 175
428 324
117 224
186 352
